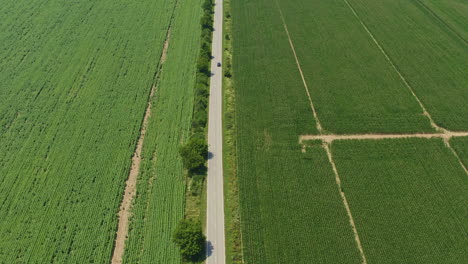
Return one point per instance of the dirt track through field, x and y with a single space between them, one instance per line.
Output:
317 121
325 144
130 185
345 203
446 136
425 112
331 137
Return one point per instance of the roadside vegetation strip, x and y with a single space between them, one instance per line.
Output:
430 57
75 84
417 181
161 186
234 253
195 196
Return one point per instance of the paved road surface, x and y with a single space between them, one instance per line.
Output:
215 197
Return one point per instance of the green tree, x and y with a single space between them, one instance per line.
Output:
194 153
203 65
190 239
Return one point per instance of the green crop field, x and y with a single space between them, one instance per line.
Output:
354 88
461 147
75 77
159 203
290 207
427 52
362 60
273 79
409 199
450 12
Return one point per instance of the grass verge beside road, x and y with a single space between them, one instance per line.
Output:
231 191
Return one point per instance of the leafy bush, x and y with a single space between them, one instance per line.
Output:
194 153
190 239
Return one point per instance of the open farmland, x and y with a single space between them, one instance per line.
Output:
461 147
450 12
290 206
75 78
426 51
412 193
349 79
377 71
159 203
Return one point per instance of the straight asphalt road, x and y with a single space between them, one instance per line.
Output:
216 253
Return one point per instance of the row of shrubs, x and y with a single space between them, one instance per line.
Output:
189 235
200 115
195 152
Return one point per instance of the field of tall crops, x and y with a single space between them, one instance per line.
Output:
409 199
75 77
159 203
461 147
290 207
371 67
449 12
431 55
354 88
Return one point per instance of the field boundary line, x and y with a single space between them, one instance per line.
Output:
425 112
331 137
131 182
317 121
326 146
456 156
443 131
446 136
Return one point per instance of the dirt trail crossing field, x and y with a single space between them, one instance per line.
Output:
130 185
